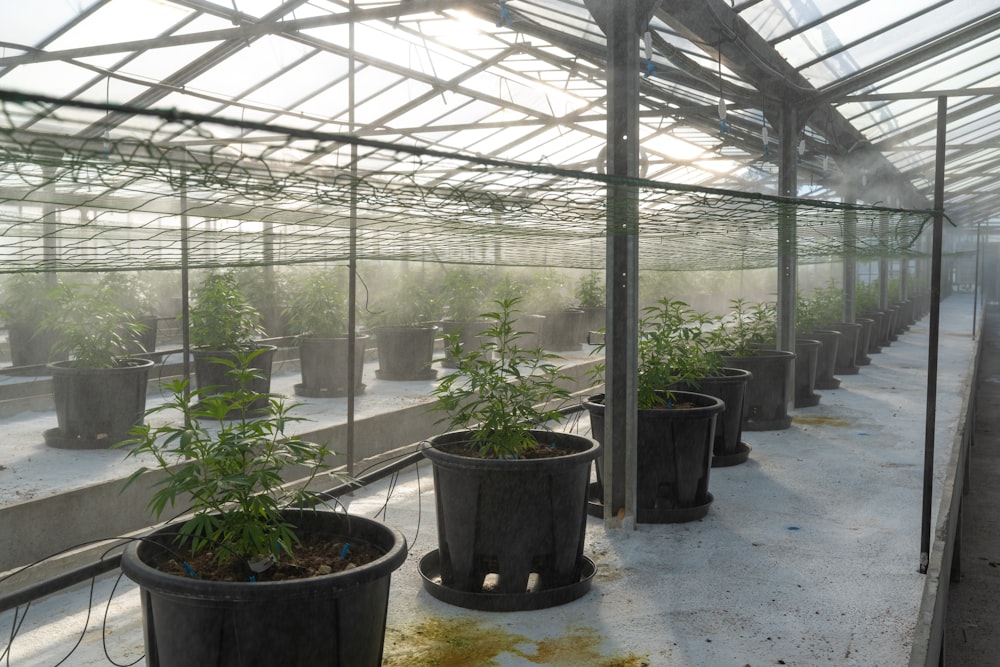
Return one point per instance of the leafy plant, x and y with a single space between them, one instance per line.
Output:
91 325
677 346
590 291
133 292
750 327
546 292
318 305
827 304
221 316
465 291
501 390
866 296
409 303
28 299
231 469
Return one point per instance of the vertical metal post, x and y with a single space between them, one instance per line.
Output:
185 290
352 260
976 277
850 255
621 380
787 239
883 262
934 330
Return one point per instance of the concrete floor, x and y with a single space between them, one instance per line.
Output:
808 556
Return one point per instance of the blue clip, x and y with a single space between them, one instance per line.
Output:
189 570
650 69
343 552
723 127
253 578
505 19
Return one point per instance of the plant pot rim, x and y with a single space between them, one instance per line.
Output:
760 352
404 327
166 583
589 449
595 403
343 336
203 350
126 364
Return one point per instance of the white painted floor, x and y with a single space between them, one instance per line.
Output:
808 556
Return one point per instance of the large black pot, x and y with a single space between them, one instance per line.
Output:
867 339
470 335
215 376
32 346
323 363
143 341
96 407
771 390
674 456
501 521
563 330
731 388
847 350
405 353
335 619
806 364
826 360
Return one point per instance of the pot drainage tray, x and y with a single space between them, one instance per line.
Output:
430 571
741 455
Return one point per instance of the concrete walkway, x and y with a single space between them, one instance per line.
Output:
973 627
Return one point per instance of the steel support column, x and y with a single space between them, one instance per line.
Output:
933 333
787 241
623 22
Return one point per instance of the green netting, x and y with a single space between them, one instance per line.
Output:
95 187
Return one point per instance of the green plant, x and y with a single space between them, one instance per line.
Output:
590 291
546 292
866 296
827 304
500 390
230 469
91 325
221 316
132 292
749 327
318 305
677 346
28 299
465 291
408 303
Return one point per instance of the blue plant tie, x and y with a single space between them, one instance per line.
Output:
505 19
651 70
723 127
189 570
343 552
253 578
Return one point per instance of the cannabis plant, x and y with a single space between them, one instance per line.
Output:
228 470
501 391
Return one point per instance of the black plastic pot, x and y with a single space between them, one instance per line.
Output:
728 449
848 348
144 341
563 330
806 363
211 374
826 360
323 363
594 319
770 392
674 456
96 407
511 528
470 337
31 346
335 619
405 353
867 338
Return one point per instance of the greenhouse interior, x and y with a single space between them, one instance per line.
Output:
691 302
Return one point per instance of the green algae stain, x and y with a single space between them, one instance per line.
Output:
459 642
820 420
